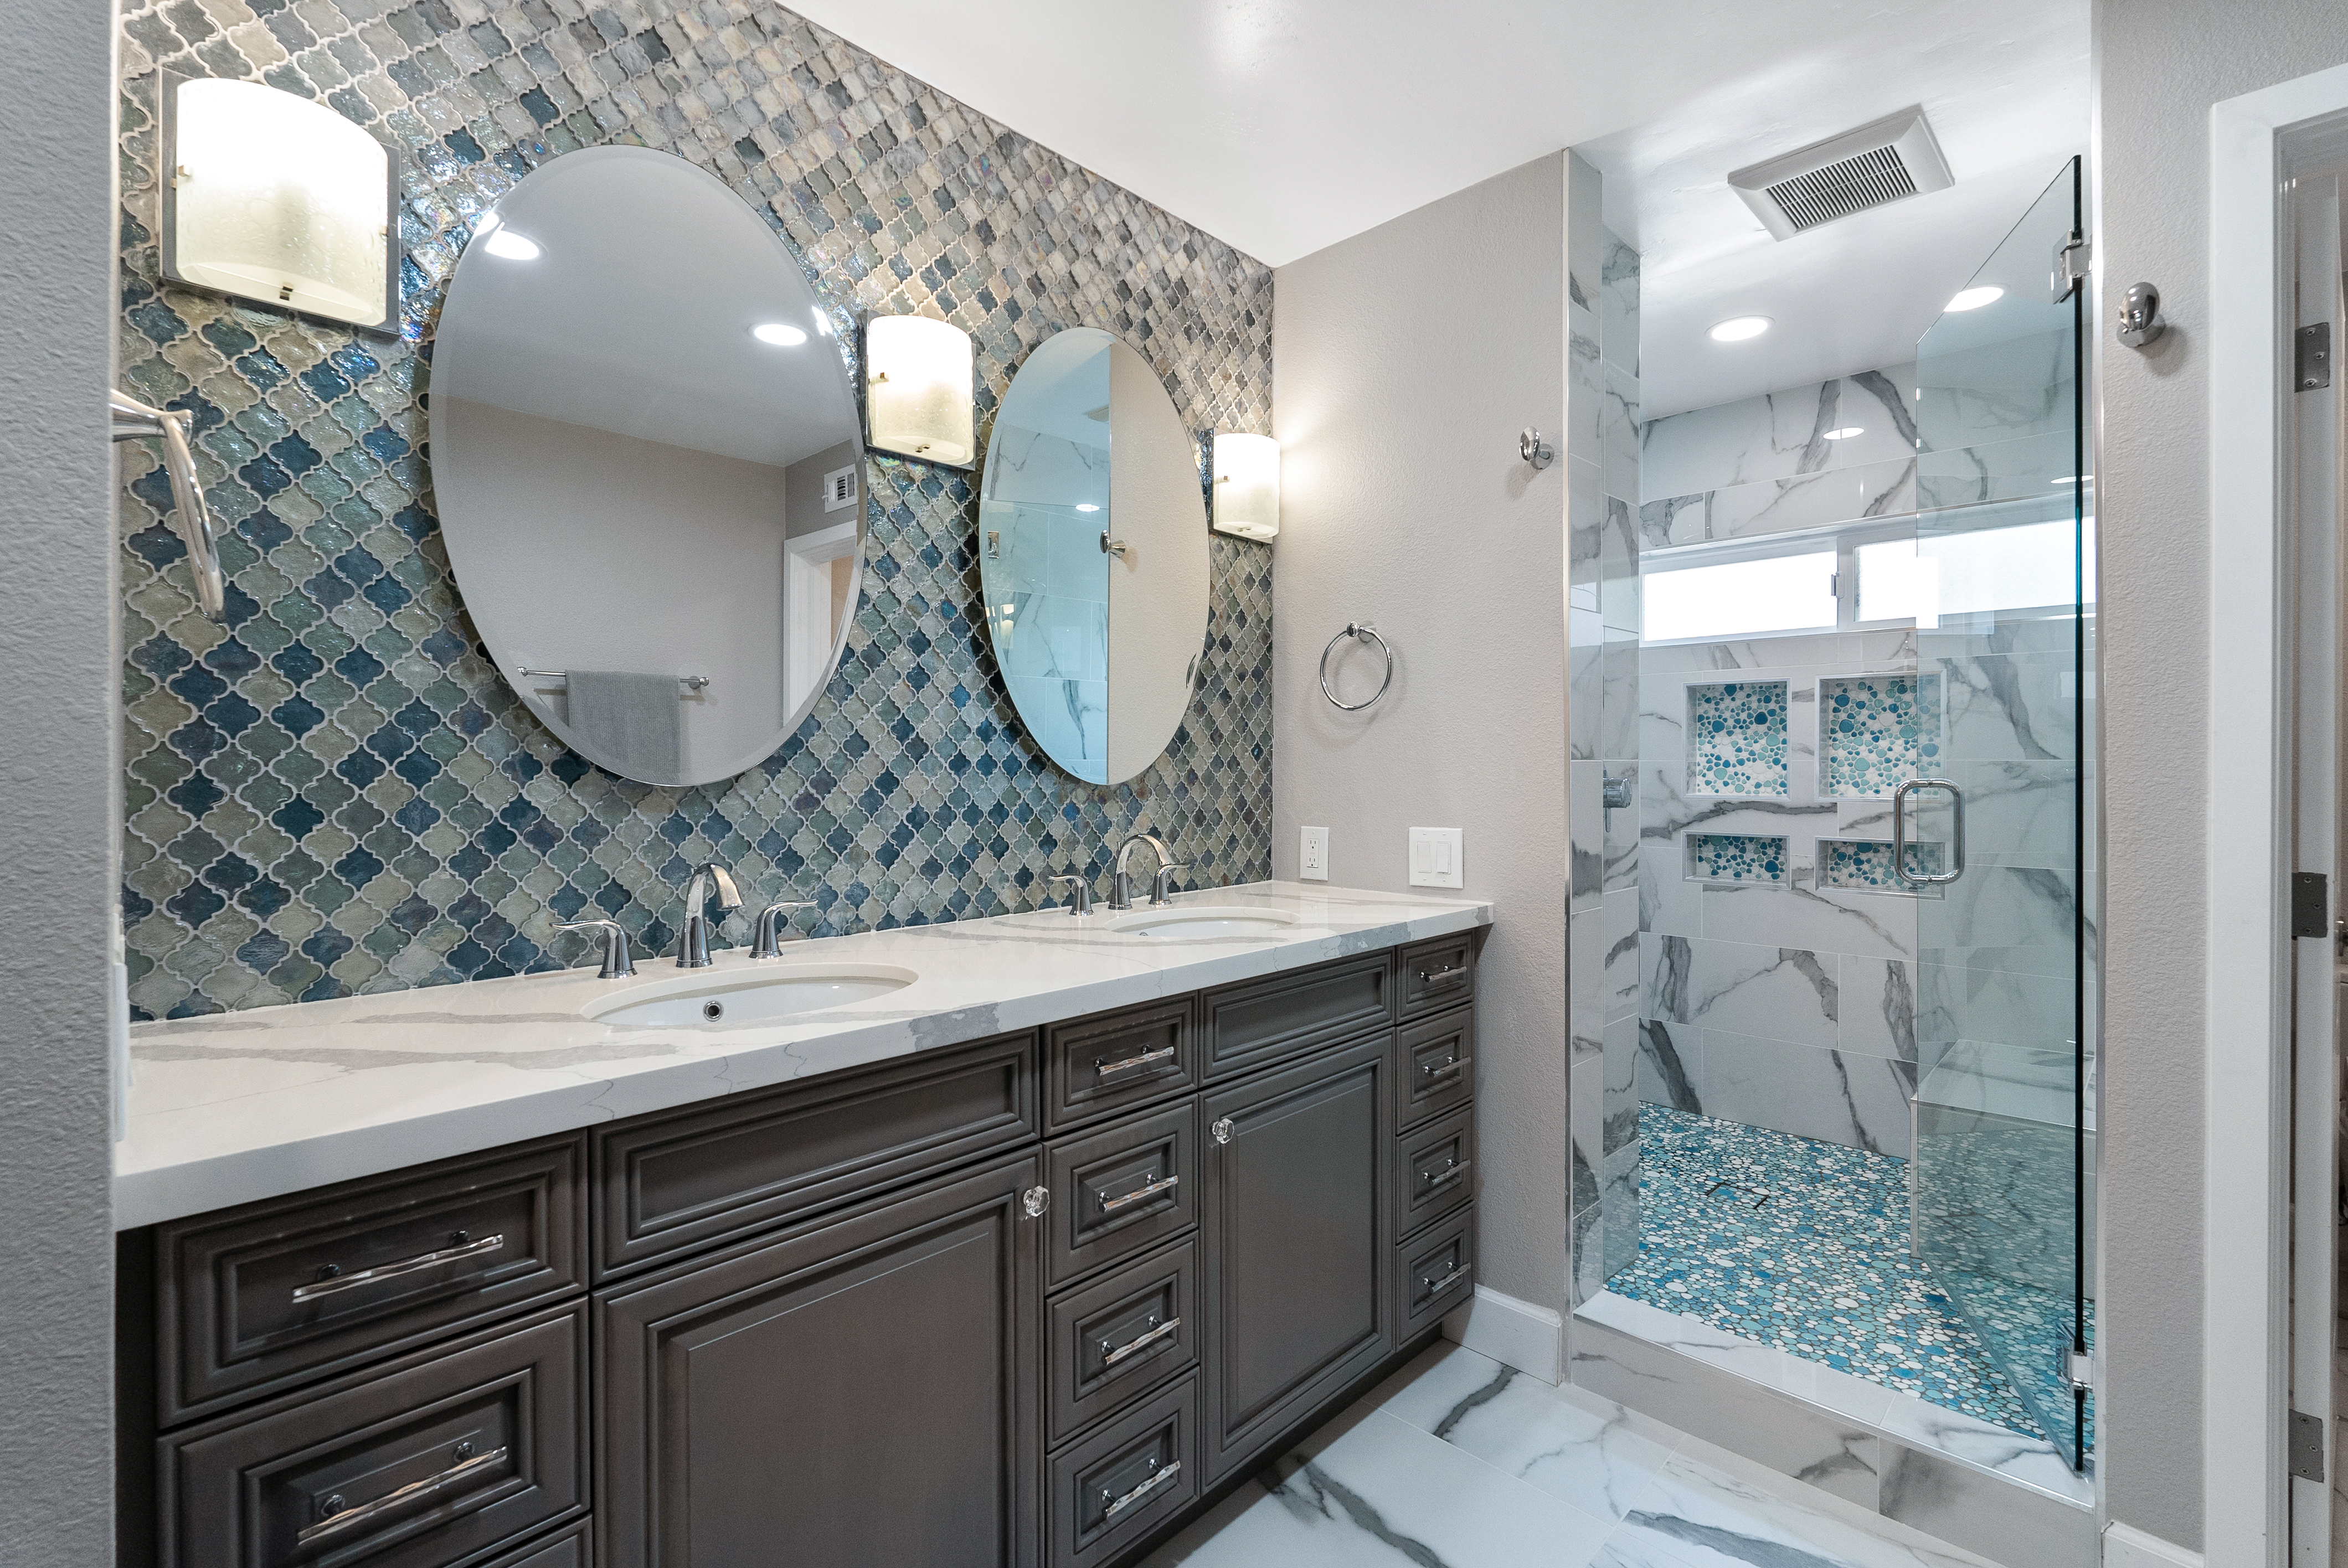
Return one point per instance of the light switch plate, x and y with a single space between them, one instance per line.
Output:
1438 857
1313 855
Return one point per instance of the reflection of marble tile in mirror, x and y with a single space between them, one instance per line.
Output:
1092 560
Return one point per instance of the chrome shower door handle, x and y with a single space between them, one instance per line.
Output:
1900 833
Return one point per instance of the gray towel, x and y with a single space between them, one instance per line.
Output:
636 721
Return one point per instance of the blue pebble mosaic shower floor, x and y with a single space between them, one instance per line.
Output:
1803 1245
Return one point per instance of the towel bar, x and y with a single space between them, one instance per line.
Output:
690 682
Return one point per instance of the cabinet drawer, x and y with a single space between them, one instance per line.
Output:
256 1300
718 1172
1435 1170
432 1461
1111 1488
1119 1060
1435 1272
1119 1190
1434 1066
1261 1021
1121 1334
1436 974
566 1548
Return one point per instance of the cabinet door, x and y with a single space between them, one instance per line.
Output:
861 1390
1296 1186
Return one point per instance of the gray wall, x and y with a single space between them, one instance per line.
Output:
2160 64
1398 396
57 793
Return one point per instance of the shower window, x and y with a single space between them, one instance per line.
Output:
1741 599
2022 565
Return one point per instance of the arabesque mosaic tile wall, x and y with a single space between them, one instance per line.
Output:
333 792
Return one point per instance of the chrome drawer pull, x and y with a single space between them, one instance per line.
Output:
1103 1069
1447 1173
1439 979
1109 1205
1117 1505
1134 1347
1434 1071
333 1524
394 1270
1435 1287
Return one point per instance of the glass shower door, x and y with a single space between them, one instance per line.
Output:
2004 1159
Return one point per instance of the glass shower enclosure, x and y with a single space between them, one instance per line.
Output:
2000 822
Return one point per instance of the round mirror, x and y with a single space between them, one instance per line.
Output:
649 470
1093 555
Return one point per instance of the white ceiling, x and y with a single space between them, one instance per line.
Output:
1283 126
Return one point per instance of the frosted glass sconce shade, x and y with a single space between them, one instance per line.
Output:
917 390
273 198
1247 485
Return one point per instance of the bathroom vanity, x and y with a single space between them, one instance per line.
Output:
1018 1261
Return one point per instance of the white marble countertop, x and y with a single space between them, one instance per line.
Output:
237 1106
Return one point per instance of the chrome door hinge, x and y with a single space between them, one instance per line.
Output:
2310 368
2072 258
2306 1446
2075 1367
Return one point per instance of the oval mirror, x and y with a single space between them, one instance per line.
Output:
1093 555
648 464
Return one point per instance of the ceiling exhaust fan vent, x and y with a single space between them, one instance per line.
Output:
1883 161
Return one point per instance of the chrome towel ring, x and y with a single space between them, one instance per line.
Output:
1364 631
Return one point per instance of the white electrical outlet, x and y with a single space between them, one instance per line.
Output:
1438 857
1313 855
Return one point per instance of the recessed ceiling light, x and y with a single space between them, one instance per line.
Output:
512 246
1736 329
1087 506
1847 432
1975 298
778 334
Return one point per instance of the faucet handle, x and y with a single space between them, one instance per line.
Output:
1080 902
767 940
618 964
1161 892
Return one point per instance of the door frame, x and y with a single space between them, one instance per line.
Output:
2246 842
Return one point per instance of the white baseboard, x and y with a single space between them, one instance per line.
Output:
1515 1333
2127 1547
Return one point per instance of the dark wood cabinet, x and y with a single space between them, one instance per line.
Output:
1026 1301
861 1390
1297 1239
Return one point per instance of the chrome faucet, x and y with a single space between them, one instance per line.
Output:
773 930
693 938
1120 896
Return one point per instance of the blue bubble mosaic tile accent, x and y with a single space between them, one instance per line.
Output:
334 793
1804 1246
1877 732
1864 865
1737 738
1736 857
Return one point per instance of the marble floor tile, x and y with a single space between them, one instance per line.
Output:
1371 1488
1595 1455
1459 1461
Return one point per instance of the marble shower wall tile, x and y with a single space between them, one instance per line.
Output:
336 793
1837 1096
1782 434
1778 993
1618 991
1585 681
1586 1161
1779 505
1622 1075
1586 979
1877 1009
1618 306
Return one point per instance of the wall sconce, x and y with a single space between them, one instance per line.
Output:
270 196
1247 485
917 390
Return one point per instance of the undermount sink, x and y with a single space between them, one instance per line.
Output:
757 995
1202 923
